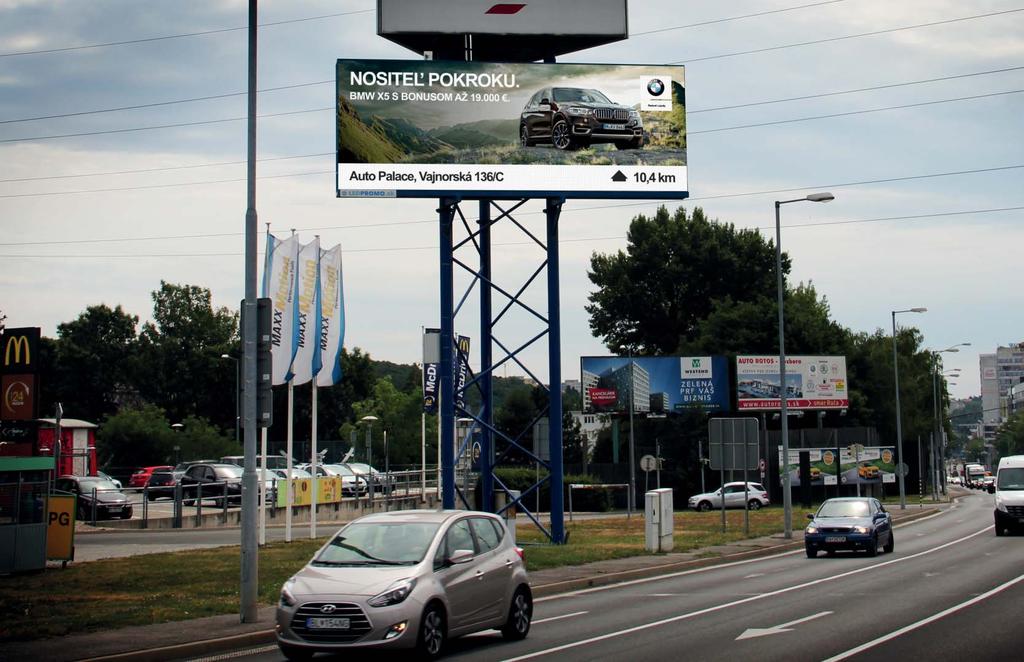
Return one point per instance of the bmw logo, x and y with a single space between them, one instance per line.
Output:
655 87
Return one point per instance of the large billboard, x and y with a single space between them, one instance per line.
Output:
655 384
428 128
812 382
863 465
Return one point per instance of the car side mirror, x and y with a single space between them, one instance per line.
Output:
992 488
460 556
545 101
810 516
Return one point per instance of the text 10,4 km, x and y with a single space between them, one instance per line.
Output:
653 178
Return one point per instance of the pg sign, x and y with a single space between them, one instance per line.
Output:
19 382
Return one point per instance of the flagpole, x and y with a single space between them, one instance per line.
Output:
288 470
312 463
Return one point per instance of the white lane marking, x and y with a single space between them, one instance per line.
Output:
726 605
682 573
751 633
242 653
925 621
558 618
756 574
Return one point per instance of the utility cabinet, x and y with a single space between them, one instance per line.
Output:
658 520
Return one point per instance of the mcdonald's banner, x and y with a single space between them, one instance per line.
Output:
20 349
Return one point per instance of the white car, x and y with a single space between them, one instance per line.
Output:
734 492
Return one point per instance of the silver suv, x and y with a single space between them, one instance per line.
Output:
734 493
406 579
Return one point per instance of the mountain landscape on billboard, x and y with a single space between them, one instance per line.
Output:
484 133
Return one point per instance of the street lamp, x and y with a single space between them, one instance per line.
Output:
899 422
237 412
787 498
177 427
952 349
369 420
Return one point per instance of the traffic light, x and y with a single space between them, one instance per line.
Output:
264 372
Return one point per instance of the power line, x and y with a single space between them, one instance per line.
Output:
854 112
160 126
407 248
735 18
156 104
853 91
163 169
845 37
184 34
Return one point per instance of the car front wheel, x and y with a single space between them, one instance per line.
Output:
432 632
704 506
524 136
890 544
517 626
561 135
873 546
754 504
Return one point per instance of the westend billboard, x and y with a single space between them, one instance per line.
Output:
863 465
658 384
812 382
429 128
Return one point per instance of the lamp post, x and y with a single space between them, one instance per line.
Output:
369 420
952 349
787 498
237 412
899 421
177 427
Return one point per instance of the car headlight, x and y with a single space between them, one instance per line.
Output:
811 529
634 115
287 599
861 529
579 112
1000 505
395 594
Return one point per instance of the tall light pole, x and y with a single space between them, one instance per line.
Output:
787 498
237 412
899 421
369 420
952 349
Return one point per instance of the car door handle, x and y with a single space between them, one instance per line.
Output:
479 574
508 563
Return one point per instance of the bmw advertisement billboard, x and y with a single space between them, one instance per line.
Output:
654 384
427 128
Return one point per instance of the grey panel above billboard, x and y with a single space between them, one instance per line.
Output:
475 129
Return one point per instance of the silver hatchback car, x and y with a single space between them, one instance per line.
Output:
406 579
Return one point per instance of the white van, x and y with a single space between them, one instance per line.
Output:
1009 491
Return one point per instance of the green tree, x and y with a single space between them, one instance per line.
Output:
141 436
398 412
95 363
1010 436
181 364
652 298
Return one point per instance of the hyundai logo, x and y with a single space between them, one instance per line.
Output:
328 609
655 87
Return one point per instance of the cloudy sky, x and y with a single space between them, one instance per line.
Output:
98 207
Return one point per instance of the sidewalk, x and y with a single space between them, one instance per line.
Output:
205 636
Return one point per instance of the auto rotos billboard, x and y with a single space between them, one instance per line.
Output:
428 128
812 382
656 385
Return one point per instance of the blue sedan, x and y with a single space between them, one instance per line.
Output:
852 523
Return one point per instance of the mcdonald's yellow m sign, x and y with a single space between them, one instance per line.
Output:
17 345
21 349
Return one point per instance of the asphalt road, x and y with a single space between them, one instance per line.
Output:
951 590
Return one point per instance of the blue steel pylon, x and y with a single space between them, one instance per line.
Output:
483 419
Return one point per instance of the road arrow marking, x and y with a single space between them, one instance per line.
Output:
751 633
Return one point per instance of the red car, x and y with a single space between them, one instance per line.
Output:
141 475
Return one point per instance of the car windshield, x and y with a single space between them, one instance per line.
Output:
569 94
296 473
359 467
378 543
1011 478
338 469
844 509
230 471
90 484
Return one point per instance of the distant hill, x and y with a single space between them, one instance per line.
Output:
363 144
484 133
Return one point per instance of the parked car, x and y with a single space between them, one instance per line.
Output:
381 481
351 484
140 477
755 493
574 117
212 479
401 580
109 501
106 476
161 484
850 523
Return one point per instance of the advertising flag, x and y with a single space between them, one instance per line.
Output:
307 314
279 286
332 317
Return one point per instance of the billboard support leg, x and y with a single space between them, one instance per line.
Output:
486 363
446 410
552 211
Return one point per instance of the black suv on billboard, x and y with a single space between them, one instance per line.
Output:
572 117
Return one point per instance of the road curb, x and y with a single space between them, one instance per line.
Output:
263 637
